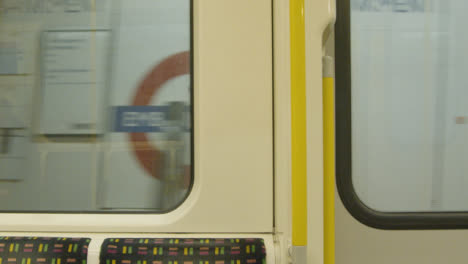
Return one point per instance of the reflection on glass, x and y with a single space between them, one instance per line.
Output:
390 5
95 105
409 104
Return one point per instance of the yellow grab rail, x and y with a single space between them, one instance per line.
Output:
329 161
298 124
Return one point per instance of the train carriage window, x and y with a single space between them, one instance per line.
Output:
402 112
95 105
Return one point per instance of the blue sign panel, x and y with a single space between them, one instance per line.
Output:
147 119
139 119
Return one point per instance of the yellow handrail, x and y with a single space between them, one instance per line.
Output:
298 123
329 161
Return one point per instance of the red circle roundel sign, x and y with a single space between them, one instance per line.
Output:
147 155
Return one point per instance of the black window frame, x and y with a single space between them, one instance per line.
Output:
355 206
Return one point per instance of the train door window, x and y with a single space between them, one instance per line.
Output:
95 105
402 116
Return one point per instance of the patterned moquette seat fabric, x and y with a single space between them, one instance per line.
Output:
182 251
43 250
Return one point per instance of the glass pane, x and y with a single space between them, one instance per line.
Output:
95 105
409 104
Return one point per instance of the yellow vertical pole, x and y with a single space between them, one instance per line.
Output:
329 160
298 125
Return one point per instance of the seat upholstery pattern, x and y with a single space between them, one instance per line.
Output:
182 251
43 250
